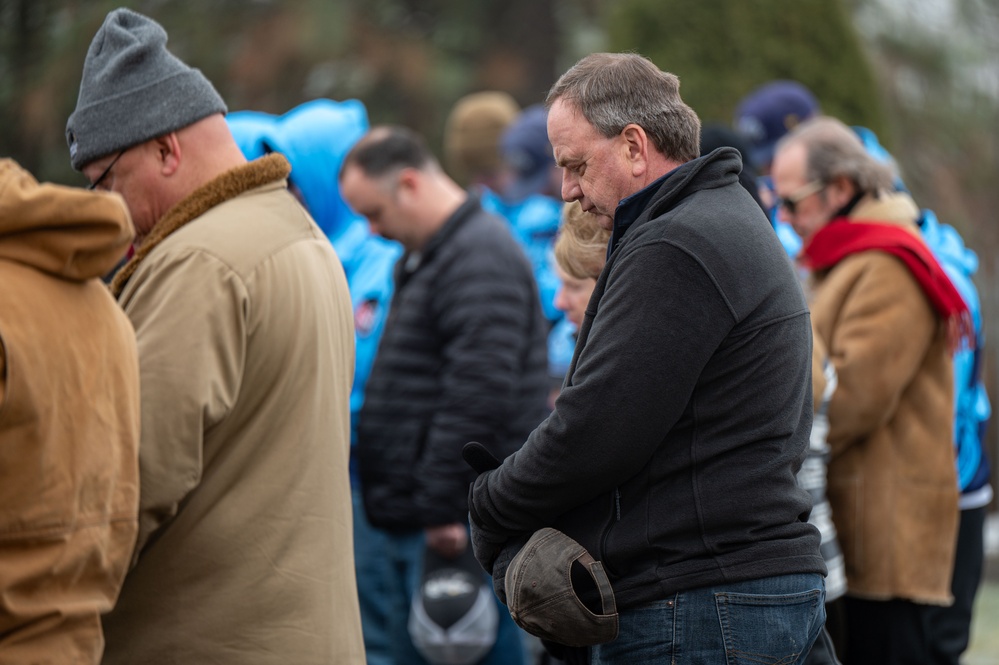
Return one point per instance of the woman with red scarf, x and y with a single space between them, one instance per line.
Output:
890 318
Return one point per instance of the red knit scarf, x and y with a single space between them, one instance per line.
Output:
842 237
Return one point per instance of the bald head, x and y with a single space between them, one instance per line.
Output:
155 175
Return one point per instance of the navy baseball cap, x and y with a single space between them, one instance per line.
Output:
528 153
770 112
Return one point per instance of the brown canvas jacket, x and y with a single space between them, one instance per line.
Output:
245 336
69 420
892 480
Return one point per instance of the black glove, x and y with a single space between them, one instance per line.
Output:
478 457
486 545
502 562
491 549
495 559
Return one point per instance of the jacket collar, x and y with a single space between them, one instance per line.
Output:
896 208
720 167
630 209
410 262
225 187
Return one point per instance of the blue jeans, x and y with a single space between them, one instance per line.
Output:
770 621
404 554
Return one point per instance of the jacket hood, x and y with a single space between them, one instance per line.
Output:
65 231
253 132
314 137
947 244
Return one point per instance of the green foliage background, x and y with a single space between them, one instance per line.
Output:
722 50
410 60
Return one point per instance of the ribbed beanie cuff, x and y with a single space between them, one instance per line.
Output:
133 89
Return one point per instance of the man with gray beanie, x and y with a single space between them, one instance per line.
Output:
245 337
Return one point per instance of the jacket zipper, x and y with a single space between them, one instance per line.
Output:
615 517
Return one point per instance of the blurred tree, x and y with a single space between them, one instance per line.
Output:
408 60
419 56
43 44
721 50
24 29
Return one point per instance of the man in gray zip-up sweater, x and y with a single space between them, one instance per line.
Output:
672 451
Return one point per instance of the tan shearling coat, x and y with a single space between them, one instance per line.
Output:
892 480
69 420
245 336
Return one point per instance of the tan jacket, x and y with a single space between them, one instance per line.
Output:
892 481
245 335
69 420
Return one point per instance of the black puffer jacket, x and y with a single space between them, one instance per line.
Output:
462 358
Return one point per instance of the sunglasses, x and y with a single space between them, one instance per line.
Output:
103 175
791 201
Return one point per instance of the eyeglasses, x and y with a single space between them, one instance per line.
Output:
791 201
101 177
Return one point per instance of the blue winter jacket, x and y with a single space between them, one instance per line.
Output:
971 403
535 222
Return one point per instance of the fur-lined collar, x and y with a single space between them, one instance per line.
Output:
887 208
225 187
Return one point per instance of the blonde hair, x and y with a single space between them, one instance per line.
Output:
581 247
472 135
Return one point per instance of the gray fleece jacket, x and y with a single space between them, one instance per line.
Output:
672 450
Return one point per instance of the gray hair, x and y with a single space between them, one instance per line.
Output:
613 90
834 150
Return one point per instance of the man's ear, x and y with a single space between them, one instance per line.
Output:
635 143
168 153
840 191
408 184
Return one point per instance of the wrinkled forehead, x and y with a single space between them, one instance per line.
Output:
569 131
564 115
790 164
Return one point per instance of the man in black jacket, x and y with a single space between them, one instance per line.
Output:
672 450
462 358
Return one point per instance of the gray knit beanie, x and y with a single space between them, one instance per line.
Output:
134 90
